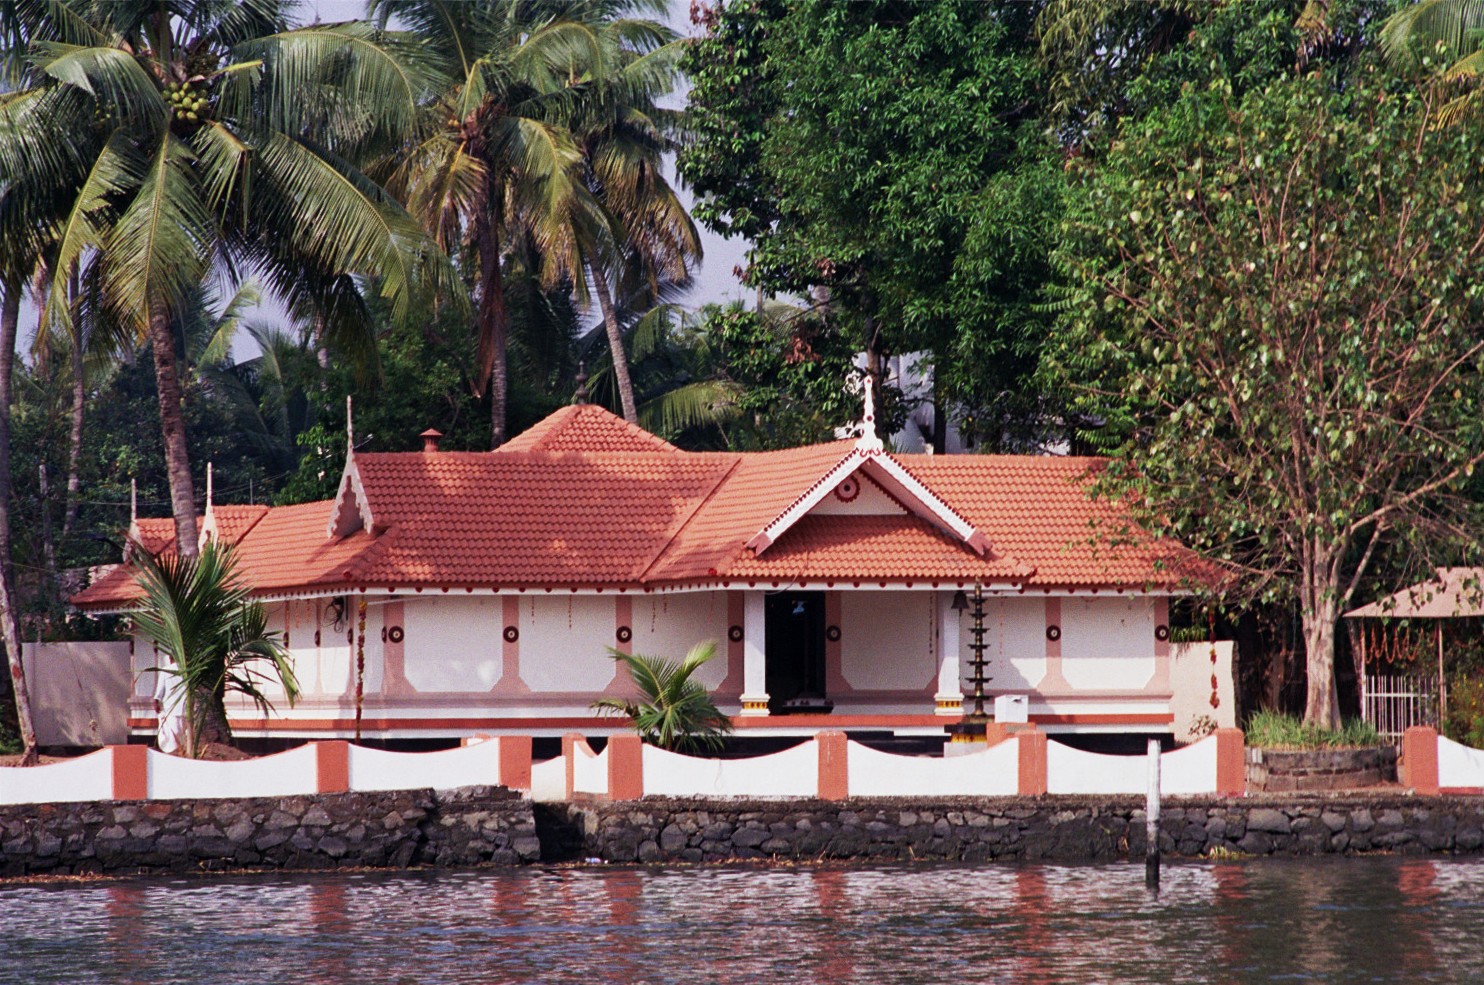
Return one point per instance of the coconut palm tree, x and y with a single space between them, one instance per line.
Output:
215 637
646 234
209 133
674 711
1452 29
498 162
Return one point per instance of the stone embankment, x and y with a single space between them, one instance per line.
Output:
492 826
1071 829
469 826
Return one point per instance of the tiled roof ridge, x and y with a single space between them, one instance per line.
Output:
684 522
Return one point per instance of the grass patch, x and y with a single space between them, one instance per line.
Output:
1271 730
10 742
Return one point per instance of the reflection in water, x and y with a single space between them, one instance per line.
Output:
1292 920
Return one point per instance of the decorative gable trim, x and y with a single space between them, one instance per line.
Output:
352 511
896 481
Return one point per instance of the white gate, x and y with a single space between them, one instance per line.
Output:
1393 704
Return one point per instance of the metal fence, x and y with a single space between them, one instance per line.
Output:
1392 704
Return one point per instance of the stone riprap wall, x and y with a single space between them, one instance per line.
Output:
1290 770
468 826
1071 829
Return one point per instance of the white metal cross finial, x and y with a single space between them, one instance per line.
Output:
868 441
350 429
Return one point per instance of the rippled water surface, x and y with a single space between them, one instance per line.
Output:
1325 920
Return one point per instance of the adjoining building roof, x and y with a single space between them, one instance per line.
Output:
585 500
1452 593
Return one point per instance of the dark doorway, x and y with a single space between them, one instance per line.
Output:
795 649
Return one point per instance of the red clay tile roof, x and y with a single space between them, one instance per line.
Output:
634 511
232 522
585 427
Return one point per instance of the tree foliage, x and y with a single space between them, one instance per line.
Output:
215 636
673 711
1274 309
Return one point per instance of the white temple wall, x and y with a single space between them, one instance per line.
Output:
564 641
451 644
1107 643
1015 637
888 640
669 625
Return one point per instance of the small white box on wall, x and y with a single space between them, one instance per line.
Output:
1011 709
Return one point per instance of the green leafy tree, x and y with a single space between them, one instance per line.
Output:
1274 311
1446 35
201 616
180 135
885 158
673 711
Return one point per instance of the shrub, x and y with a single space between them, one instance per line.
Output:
1273 730
674 712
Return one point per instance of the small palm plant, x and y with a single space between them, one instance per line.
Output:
200 615
674 711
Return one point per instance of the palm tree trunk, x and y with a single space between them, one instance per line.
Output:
615 344
493 319
10 622
172 428
74 438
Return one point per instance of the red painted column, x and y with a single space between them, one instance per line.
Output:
130 772
515 761
1032 762
1419 763
834 770
625 767
1231 762
332 766
569 750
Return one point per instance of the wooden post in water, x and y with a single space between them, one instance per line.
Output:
1151 820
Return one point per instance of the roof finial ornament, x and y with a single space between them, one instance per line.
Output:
350 429
580 397
133 502
868 442
209 471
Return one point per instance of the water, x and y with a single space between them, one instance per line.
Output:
1287 920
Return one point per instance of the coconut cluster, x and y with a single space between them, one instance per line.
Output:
186 103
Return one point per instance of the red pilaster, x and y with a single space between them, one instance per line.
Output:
1419 762
1231 762
130 772
569 751
1032 762
515 761
625 767
332 765
834 772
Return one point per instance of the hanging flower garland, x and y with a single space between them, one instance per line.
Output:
360 661
1211 638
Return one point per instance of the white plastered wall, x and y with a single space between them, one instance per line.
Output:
564 642
1107 643
888 640
1015 637
451 644
669 625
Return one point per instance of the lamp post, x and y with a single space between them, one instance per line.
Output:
974 726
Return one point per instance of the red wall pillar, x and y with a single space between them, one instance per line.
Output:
332 765
1231 762
569 750
625 767
1419 762
130 772
515 761
1032 762
834 772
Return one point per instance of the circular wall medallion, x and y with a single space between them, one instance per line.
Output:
1053 633
735 634
832 634
511 634
624 634
848 489
1161 632
383 634
316 637
395 634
